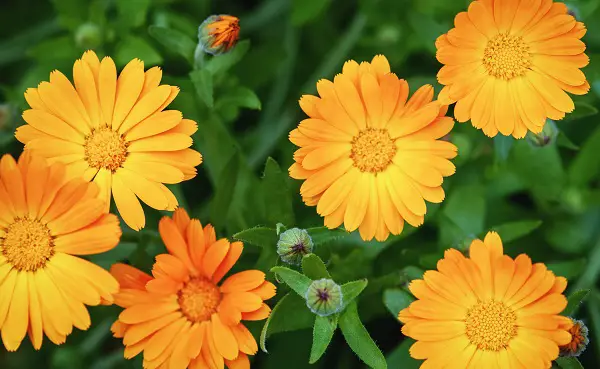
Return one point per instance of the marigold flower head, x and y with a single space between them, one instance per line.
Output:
183 316
114 132
487 311
293 244
368 157
579 340
219 33
46 221
508 65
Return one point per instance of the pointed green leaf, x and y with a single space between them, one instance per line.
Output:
582 110
569 363
241 97
465 206
514 230
175 41
297 282
304 11
314 268
289 314
545 176
564 141
502 146
351 290
324 235
359 340
396 299
258 236
203 82
225 187
322 334
575 299
132 47
276 194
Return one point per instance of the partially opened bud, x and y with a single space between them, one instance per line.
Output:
293 244
218 34
579 340
324 297
546 136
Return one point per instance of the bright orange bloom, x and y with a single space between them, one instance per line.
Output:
114 132
219 33
45 220
487 311
507 65
182 316
369 157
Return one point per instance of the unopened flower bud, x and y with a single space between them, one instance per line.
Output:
545 137
579 340
218 34
293 244
324 297
88 36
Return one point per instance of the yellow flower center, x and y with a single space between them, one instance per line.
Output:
491 325
372 150
27 245
199 299
105 148
506 56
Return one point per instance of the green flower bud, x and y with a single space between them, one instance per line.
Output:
545 137
88 36
293 244
324 297
579 340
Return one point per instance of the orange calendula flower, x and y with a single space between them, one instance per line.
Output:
45 220
487 311
507 65
183 316
114 132
369 157
219 33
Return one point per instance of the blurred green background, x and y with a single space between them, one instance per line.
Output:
544 200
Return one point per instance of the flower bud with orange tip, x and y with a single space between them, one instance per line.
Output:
218 34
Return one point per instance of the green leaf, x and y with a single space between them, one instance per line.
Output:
466 208
324 235
575 299
297 282
564 141
241 97
514 230
276 194
396 299
175 41
120 253
323 331
289 314
222 63
351 290
132 13
582 110
359 339
203 82
545 175
569 363
568 269
225 187
304 11
502 146
400 357
136 47
314 268
258 236
586 165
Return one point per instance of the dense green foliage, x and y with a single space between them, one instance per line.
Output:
544 201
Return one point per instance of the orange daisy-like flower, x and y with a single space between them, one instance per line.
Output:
44 221
508 63
369 157
114 132
181 317
487 311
